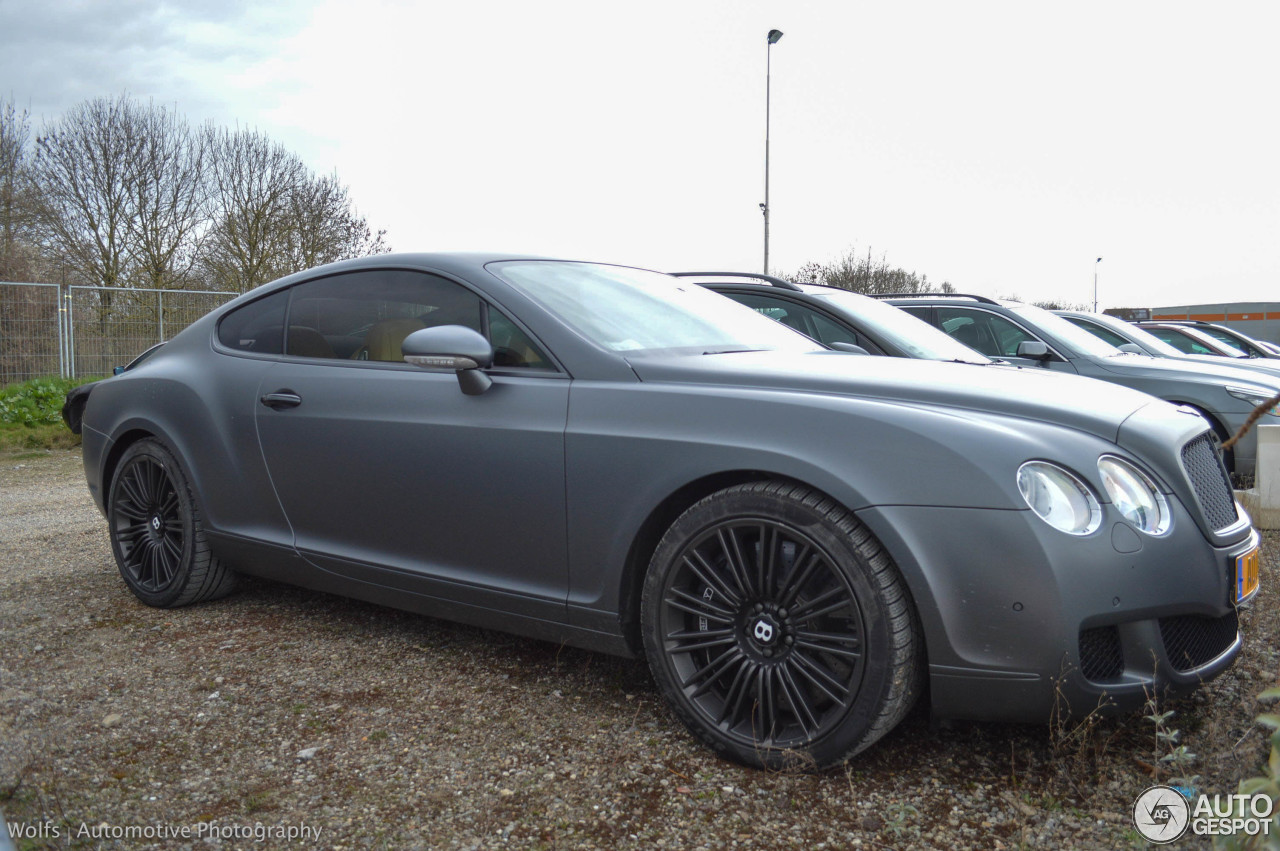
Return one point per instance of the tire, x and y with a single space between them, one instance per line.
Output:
156 532
777 628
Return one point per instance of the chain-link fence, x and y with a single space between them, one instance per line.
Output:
87 331
31 342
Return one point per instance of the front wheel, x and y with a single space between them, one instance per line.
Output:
778 629
156 532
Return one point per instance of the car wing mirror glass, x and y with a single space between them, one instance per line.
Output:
850 348
452 348
1033 349
1131 348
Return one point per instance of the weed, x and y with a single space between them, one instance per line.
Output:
1268 783
1169 750
897 818
36 402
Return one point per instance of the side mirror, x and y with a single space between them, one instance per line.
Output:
454 348
850 348
1033 350
1131 348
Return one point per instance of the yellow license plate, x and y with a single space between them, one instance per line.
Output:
1246 575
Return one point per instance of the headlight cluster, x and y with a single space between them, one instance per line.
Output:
1253 397
1134 495
1061 499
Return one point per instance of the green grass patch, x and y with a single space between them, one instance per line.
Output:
31 414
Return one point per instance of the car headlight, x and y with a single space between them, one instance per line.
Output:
1134 495
1059 498
1254 397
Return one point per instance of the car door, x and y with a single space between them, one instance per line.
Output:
995 336
389 474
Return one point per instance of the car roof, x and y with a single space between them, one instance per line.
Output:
946 297
757 280
754 280
1191 322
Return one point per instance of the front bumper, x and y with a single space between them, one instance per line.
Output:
1023 623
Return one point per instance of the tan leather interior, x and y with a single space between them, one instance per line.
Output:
383 340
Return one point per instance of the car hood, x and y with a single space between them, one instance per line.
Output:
1096 407
1206 373
1268 368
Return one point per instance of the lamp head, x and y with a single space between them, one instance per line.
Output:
774 35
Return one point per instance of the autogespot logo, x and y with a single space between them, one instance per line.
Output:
1161 814
1164 813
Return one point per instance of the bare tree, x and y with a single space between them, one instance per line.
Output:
16 200
133 198
83 165
254 182
167 197
866 275
326 227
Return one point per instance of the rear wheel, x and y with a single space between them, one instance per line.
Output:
156 532
778 629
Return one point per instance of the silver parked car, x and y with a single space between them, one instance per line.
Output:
1136 338
1223 334
798 540
1031 336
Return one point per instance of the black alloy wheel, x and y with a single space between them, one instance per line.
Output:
156 533
776 627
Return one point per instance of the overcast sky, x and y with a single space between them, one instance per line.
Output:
1001 146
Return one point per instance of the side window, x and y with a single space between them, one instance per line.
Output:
366 315
511 346
776 309
1181 342
257 326
804 319
1227 340
1104 334
990 334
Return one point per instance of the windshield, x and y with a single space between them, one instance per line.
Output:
1147 340
636 312
1075 337
892 325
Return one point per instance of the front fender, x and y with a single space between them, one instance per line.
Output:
629 449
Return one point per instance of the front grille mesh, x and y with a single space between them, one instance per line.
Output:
1209 481
1190 640
1100 656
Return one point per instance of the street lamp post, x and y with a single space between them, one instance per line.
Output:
1095 284
774 35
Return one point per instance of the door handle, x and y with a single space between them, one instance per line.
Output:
281 399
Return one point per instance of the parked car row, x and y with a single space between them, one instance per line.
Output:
1020 334
800 537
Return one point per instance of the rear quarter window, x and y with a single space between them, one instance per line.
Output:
257 326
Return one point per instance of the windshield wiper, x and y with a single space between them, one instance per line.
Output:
730 351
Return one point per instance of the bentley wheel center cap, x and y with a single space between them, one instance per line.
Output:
764 631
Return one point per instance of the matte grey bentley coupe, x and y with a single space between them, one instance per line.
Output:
798 540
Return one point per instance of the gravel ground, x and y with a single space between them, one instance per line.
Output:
291 710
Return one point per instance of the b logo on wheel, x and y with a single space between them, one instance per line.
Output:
764 632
